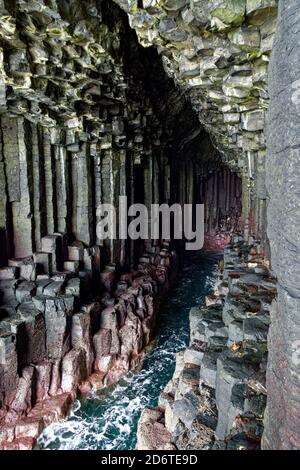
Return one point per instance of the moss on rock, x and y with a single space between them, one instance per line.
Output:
232 12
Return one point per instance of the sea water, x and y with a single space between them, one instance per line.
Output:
108 419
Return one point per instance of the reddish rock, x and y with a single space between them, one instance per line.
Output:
7 434
118 370
42 380
85 388
23 398
108 318
53 409
121 312
74 370
29 428
108 278
102 344
147 329
96 381
24 443
65 348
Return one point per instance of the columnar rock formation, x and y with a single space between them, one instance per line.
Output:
283 175
221 194
90 112
217 396
86 117
218 52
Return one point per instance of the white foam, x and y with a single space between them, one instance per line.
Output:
108 419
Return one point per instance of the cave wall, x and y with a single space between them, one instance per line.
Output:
85 117
282 420
218 53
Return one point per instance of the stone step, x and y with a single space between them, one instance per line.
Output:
54 289
193 356
189 379
208 368
25 291
26 267
43 262
76 252
251 329
216 329
9 273
72 266
197 314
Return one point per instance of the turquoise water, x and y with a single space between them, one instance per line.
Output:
108 419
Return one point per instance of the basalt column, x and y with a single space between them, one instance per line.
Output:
217 53
87 116
162 103
220 193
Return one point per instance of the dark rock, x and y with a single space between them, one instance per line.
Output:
51 244
7 293
73 287
43 262
185 410
8 368
26 267
58 326
74 369
31 338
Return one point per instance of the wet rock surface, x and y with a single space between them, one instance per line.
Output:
218 51
218 54
87 115
217 396
55 344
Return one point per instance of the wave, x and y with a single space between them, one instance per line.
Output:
107 420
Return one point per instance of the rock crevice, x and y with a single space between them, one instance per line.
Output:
217 396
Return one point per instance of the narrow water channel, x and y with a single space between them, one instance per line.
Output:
108 419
